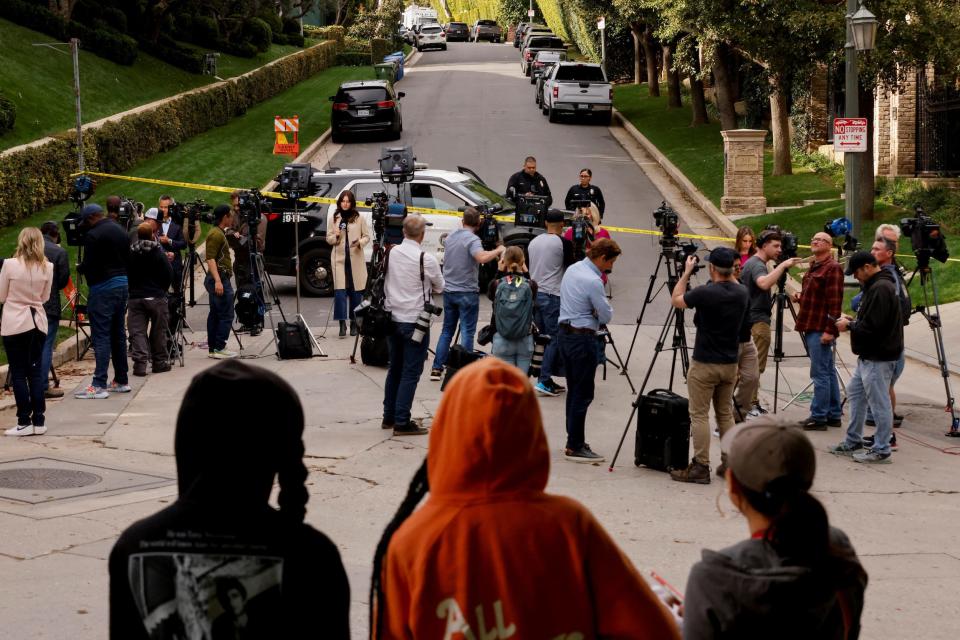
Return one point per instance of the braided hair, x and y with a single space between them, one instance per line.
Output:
418 488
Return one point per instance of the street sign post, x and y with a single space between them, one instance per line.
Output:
531 13
850 135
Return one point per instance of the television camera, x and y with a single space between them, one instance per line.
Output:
926 237
842 228
489 230
531 211
788 242
397 164
252 205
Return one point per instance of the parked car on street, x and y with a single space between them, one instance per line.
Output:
536 44
518 34
543 61
577 88
431 36
457 31
485 30
366 107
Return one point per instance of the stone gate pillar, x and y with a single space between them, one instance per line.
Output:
743 171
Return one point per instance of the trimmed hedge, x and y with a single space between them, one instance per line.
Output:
36 177
175 54
333 32
8 114
379 47
258 33
353 58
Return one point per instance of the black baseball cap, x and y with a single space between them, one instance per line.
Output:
859 259
553 215
722 257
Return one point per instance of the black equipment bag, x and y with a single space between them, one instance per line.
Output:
663 430
248 307
293 341
458 359
374 352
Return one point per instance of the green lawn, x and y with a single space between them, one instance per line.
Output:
698 151
39 80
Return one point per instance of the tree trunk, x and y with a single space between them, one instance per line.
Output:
723 88
867 178
697 99
780 126
636 30
673 77
649 52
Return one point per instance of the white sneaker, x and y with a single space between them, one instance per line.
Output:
222 354
22 430
91 393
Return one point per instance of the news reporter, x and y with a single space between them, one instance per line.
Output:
25 283
348 234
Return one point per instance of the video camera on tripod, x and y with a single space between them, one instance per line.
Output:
252 205
926 237
788 242
582 225
531 211
188 215
128 210
489 229
673 249
841 228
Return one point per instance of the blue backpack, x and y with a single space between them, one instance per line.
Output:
513 307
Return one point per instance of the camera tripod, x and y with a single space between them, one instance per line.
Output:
79 318
932 316
607 337
295 196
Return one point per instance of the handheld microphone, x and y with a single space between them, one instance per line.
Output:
343 225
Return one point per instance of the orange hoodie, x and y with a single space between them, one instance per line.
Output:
491 556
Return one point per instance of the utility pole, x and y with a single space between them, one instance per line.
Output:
75 49
851 108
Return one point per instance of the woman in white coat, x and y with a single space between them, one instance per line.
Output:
348 233
25 282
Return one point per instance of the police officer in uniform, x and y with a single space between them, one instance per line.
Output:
585 191
528 182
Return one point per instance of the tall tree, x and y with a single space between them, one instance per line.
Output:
63 8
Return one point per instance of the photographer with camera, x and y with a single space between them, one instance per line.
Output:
821 300
583 309
348 234
217 284
147 312
412 276
239 240
105 262
759 280
527 182
57 256
585 230
720 307
462 256
550 255
876 337
585 191
170 237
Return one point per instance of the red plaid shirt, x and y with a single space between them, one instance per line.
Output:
822 296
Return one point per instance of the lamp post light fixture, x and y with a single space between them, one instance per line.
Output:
861 36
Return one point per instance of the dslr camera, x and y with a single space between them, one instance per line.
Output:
683 251
788 242
926 237
422 325
667 220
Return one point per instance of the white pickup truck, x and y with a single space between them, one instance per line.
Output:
577 88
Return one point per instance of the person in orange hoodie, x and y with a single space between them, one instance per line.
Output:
491 555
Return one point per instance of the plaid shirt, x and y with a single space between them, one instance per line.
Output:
822 296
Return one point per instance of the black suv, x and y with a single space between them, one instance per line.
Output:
457 31
365 107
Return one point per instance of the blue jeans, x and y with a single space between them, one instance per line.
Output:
24 352
897 372
220 318
403 374
870 387
49 342
108 312
579 353
515 352
546 315
826 389
462 307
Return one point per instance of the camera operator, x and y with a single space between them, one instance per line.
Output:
148 314
583 308
527 182
759 280
720 307
57 256
876 336
585 191
239 241
411 277
170 237
550 255
821 300
217 284
462 256
105 261
748 369
113 204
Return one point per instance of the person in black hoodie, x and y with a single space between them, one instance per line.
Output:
220 561
876 336
148 313
796 577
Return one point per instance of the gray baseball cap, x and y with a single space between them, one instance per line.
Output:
765 449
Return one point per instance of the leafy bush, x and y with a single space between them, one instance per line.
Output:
241 49
116 18
205 29
939 202
8 114
258 33
296 39
355 44
291 26
821 165
333 32
379 47
175 54
273 20
109 44
279 38
34 17
353 58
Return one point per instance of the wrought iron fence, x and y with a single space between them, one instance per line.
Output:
938 129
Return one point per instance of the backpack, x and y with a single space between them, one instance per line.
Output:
903 295
513 307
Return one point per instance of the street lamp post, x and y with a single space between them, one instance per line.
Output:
861 34
602 25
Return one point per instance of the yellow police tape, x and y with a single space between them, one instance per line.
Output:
438 212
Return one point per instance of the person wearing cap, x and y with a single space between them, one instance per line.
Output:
759 280
876 337
490 554
550 255
105 262
720 307
796 577
820 300
463 254
217 284
148 313
57 255
277 576
583 309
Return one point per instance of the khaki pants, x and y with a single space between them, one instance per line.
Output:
761 337
749 379
708 383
